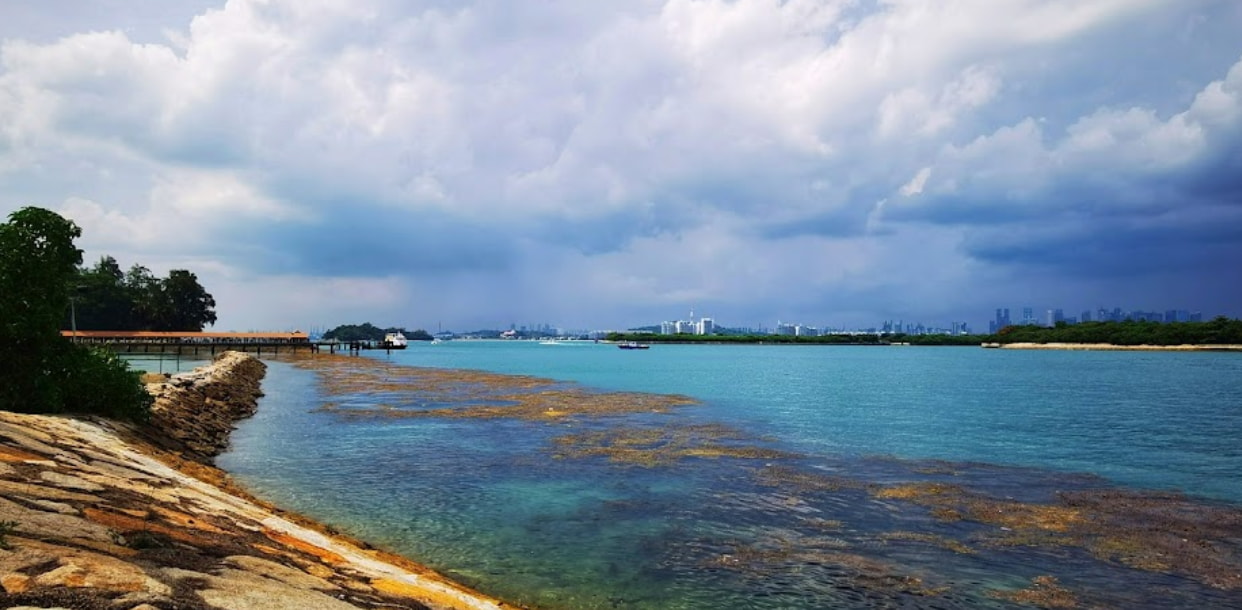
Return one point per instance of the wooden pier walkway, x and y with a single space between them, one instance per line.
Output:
193 343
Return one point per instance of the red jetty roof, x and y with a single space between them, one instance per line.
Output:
150 334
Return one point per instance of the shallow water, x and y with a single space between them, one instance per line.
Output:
788 484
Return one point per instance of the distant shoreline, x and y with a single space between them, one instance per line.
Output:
1117 348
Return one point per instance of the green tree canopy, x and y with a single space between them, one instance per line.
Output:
37 262
42 371
107 299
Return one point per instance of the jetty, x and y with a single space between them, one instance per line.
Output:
193 343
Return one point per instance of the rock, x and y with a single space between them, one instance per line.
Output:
240 590
56 507
41 523
270 569
68 481
15 583
198 409
86 569
23 558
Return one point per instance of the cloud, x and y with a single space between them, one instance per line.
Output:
603 163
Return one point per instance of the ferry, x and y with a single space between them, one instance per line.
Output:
633 345
395 341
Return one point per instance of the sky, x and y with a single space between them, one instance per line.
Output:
609 164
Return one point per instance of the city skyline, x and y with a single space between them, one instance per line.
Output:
693 324
602 164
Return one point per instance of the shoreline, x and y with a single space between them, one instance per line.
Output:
97 513
1116 348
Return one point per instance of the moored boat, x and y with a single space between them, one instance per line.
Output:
395 341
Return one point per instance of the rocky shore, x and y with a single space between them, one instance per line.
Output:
96 514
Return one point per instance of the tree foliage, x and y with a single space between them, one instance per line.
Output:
107 299
37 260
42 371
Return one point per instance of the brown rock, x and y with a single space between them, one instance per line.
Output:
86 569
15 583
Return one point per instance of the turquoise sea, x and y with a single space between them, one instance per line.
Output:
919 477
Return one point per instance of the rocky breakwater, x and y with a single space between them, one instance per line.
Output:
194 412
93 515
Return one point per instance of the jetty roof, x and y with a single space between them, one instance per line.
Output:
187 335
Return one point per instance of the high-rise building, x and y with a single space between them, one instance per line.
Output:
706 326
1002 319
1028 316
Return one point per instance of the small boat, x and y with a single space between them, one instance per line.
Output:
395 341
633 345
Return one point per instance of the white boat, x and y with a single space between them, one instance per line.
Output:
395 341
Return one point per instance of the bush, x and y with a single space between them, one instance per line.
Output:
101 383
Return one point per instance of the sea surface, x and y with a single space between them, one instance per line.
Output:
772 476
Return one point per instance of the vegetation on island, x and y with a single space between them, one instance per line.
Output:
369 332
44 372
1220 331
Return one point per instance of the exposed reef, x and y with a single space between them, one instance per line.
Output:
398 391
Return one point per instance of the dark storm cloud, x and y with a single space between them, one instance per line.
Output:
370 242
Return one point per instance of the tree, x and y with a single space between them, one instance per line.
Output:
187 306
147 294
42 371
37 262
102 300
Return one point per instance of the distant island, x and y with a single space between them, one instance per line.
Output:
1219 331
369 332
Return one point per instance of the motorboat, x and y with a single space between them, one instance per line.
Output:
395 341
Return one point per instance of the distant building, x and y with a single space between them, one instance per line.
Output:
1028 316
704 326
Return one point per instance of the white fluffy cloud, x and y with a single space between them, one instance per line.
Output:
820 159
